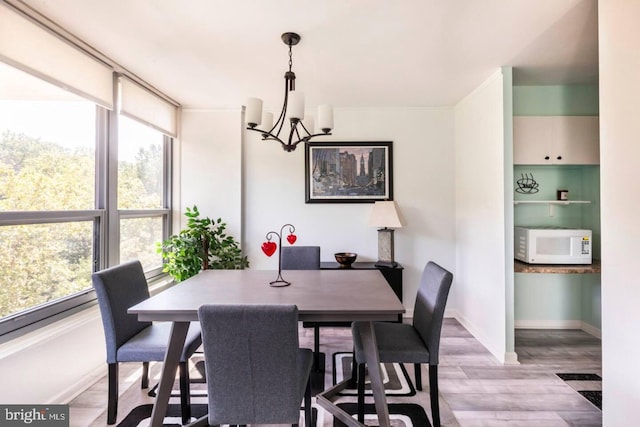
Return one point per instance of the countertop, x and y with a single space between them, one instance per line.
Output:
521 267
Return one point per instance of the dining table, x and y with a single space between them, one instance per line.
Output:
320 295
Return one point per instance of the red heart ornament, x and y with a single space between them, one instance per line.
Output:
269 248
291 238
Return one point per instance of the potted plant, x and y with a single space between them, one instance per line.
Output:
202 245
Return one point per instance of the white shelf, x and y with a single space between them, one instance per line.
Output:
552 203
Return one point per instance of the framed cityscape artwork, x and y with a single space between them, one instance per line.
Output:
348 172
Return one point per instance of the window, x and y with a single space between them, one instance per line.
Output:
47 151
56 222
140 165
140 191
41 263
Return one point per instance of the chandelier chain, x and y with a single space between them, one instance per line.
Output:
290 58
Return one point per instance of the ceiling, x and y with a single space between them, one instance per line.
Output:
353 53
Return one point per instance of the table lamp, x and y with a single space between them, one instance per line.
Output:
385 216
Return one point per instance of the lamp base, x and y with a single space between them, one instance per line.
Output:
385 248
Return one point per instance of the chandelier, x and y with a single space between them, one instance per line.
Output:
292 108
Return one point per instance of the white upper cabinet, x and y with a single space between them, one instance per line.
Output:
556 140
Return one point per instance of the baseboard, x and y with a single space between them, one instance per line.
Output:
500 356
591 330
80 386
548 324
511 358
408 314
559 324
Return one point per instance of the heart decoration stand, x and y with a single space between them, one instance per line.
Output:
270 247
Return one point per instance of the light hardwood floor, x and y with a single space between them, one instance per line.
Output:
475 390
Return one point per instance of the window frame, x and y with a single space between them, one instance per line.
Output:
106 217
106 225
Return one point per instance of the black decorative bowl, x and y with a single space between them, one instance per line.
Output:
345 259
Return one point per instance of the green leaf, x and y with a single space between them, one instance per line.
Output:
183 252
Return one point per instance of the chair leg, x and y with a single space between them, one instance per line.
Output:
185 394
433 392
361 378
145 375
112 405
316 348
353 382
307 404
418 371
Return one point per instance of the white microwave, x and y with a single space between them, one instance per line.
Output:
552 245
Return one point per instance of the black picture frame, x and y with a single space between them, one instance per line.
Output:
348 172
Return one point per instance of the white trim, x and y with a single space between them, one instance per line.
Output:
79 387
475 332
49 332
559 324
591 330
408 314
548 324
511 358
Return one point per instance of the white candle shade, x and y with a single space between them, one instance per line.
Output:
254 111
325 117
296 105
267 121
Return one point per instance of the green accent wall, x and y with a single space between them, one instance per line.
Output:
569 100
559 297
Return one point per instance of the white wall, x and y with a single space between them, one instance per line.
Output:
54 363
620 206
480 291
423 189
209 166
272 185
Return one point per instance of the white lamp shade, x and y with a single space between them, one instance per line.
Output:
385 215
254 111
267 121
325 117
295 105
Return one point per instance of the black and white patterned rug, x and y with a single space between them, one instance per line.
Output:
588 385
404 401
395 378
400 415
140 415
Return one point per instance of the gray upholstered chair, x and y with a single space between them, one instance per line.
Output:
416 343
255 370
300 257
129 340
305 258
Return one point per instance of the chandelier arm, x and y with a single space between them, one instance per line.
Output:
305 129
294 130
266 136
307 138
281 119
273 134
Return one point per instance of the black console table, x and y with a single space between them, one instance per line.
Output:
393 275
